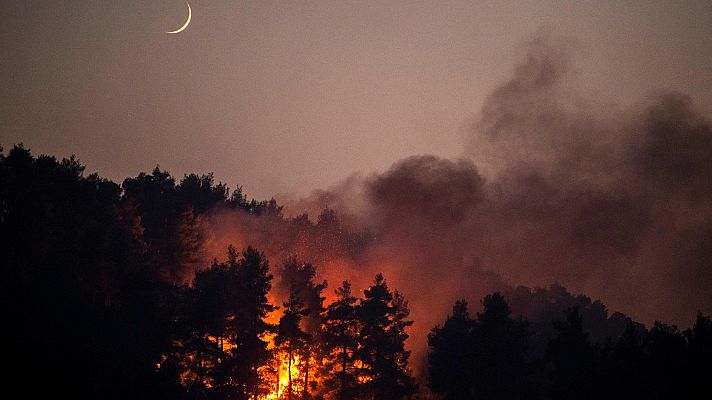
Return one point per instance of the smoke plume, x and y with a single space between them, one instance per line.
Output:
553 187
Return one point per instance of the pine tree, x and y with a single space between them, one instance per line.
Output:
666 348
699 338
300 278
628 360
382 343
207 317
449 360
341 329
573 358
290 336
249 325
499 345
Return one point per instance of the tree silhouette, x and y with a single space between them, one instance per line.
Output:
382 343
482 359
201 192
299 277
89 315
450 359
171 226
341 330
699 338
250 323
626 364
499 344
666 361
573 358
290 336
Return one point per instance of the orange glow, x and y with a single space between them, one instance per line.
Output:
280 388
358 364
276 375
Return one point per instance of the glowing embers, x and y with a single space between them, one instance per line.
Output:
361 372
197 363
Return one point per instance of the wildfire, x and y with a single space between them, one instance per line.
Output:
283 373
278 373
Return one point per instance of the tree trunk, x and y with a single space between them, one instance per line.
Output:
289 375
343 374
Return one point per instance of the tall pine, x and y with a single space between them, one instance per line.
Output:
290 338
450 357
300 278
383 315
341 331
250 325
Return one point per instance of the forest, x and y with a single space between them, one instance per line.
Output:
108 293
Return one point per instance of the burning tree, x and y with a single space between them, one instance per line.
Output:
341 333
227 349
291 339
250 325
300 279
223 346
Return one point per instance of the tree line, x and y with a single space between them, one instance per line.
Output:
106 294
228 347
489 357
97 302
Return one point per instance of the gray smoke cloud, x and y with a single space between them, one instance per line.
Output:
614 203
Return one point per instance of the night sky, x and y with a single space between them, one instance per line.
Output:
286 97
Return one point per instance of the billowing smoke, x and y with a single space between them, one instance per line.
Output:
612 203
552 187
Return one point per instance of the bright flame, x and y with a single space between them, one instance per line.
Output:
284 372
278 372
280 392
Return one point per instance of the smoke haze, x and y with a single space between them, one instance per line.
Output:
551 188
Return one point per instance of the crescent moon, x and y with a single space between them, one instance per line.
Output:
182 28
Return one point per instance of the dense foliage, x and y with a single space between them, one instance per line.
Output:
107 294
490 358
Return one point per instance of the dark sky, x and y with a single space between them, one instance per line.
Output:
292 96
